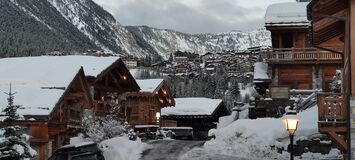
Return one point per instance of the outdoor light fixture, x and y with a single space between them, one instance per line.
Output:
291 123
124 77
157 115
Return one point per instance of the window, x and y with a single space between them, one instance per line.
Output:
287 40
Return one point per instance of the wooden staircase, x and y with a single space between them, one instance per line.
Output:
332 119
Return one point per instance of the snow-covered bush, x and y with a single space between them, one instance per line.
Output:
335 85
102 128
13 140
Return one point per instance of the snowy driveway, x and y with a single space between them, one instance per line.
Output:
177 149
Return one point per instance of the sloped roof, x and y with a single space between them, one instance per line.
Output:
260 71
287 14
31 78
149 85
192 106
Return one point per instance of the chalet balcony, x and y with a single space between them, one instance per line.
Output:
300 56
332 117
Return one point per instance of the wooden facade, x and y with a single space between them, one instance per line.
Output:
84 93
110 86
48 133
143 107
294 63
333 29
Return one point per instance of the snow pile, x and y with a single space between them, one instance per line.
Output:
149 85
252 139
122 148
226 120
192 106
285 14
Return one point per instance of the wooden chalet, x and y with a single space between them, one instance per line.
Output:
292 61
55 92
52 99
201 114
333 29
110 85
144 107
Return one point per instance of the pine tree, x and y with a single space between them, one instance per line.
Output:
13 143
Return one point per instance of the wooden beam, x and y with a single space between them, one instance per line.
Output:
107 88
339 141
333 129
76 94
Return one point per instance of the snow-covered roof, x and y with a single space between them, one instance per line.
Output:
31 78
286 14
260 71
149 85
192 106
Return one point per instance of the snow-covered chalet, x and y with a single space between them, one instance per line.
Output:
55 91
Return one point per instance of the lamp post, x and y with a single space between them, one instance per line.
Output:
291 124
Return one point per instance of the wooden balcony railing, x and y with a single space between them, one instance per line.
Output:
300 54
332 117
331 107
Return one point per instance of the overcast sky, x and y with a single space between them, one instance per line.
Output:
190 16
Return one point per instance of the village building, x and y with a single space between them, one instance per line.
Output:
201 114
144 107
292 61
131 63
54 93
261 78
333 29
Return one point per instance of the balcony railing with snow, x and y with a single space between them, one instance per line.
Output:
331 109
309 55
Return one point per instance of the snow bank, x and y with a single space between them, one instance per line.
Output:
120 148
257 138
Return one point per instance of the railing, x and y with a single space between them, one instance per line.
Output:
331 108
299 54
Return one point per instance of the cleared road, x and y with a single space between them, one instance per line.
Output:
177 149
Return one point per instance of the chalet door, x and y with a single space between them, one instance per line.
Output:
296 76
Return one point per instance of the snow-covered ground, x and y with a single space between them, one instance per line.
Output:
118 148
260 138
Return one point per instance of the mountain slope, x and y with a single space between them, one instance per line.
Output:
35 27
168 41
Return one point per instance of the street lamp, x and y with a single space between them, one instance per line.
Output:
291 123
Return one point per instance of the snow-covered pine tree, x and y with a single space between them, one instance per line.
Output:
13 141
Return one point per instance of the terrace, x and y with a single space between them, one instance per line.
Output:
301 56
